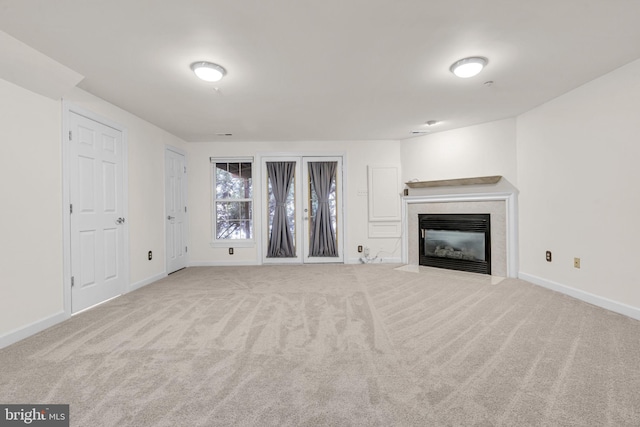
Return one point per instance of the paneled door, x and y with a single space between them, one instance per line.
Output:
175 209
303 200
97 216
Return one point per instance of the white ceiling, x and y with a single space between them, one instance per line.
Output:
331 69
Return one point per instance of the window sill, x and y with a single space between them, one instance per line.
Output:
233 244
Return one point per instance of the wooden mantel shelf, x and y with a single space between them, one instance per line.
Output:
450 182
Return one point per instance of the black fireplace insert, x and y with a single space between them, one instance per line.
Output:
456 241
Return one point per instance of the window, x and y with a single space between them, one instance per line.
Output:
232 200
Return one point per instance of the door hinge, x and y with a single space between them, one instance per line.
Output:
185 209
71 208
186 249
73 279
70 135
185 169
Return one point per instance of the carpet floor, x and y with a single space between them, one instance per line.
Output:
338 345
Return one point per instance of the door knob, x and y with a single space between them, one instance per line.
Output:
120 221
171 217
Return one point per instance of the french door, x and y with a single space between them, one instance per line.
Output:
303 210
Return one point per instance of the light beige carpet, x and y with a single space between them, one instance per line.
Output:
340 345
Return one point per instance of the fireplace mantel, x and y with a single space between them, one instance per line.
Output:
480 180
504 201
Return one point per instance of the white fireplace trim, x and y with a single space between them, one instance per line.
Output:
511 215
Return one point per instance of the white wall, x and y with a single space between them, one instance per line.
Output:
574 163
146 143
358 154
31 214
31 273
481 150
578 175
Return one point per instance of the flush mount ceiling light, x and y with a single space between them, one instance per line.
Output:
468 67
208 71
430 123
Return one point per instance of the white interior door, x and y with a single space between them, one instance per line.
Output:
175 210
301 206
97 220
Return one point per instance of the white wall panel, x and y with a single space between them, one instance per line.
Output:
481 150
577 175
384 192
31 220
358 155
31 165
146 146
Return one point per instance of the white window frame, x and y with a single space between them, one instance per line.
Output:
236 243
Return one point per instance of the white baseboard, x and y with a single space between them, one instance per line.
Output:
379 260
32 329
611 305
147 281
221 263
40 325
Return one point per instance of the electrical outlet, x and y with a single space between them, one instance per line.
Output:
359 248
150 255
548 256
230 251
576 262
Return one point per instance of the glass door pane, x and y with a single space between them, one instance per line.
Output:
309 226
323 209
282 209
281 235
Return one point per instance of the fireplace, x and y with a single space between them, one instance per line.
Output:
455 241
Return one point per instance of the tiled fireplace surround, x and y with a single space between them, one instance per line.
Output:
501 205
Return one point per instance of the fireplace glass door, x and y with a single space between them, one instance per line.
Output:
466 245
456 241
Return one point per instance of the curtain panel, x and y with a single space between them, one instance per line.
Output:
281 243
323 238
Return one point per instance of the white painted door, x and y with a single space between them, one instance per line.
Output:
301 206
175 209
293 208
97 220
328 248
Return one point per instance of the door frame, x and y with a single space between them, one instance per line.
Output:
186 203
260 200
67 109
262 194
306 259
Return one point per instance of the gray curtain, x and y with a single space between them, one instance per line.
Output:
323 237
281 243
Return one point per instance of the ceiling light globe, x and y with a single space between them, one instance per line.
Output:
468 67
208 71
